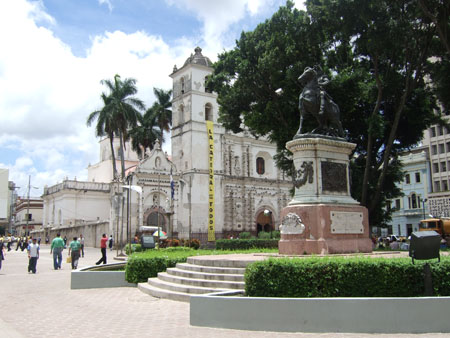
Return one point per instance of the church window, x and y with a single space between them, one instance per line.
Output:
182 85
208 112
181 116
207 88
260 166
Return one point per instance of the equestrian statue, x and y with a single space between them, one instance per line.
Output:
316 101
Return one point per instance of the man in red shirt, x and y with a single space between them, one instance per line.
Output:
103 242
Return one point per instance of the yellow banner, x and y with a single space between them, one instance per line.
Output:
211 218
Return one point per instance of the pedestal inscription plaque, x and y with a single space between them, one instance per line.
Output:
334 176
346 222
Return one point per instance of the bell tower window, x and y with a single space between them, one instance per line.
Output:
182 85
181 114
208 112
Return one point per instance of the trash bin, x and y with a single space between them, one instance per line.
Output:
147 242
424 245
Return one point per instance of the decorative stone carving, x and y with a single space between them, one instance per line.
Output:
292 224
304 174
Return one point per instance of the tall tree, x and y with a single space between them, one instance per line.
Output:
377 55
105 127
145 134
124 108
161 110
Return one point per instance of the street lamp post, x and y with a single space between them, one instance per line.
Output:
423 206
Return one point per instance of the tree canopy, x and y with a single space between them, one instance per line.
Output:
380 56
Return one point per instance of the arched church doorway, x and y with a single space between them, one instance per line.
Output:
264 221
155 218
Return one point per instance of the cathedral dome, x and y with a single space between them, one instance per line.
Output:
198 59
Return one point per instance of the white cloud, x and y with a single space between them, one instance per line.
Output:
47 92
218 18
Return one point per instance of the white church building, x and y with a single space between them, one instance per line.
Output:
223 183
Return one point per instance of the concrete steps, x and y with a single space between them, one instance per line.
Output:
197 276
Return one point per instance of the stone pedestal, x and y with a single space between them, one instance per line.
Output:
323 218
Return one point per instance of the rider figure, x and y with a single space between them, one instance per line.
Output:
322 81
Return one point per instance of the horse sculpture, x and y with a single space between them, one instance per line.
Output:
314 100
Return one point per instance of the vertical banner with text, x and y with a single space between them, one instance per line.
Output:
211 217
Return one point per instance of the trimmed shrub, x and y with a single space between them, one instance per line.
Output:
246 244
147 264
263 235
134 248
343 277
245 235
193 243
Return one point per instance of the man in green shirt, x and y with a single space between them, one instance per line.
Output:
57 248
74 252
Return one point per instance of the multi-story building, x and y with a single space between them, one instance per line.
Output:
437 140
4 197
28 215
409 209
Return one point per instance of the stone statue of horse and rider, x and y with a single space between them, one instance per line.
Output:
316 101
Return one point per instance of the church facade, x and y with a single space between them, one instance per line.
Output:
216 183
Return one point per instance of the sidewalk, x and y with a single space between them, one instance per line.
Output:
43 305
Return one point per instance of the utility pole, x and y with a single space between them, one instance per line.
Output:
28 205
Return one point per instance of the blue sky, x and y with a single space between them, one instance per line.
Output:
55 52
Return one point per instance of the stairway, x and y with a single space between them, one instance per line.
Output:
198 276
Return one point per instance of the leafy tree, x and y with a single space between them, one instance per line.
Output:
161 110
377 54
124 109
105 127
145 134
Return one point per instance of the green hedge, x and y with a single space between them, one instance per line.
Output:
343 277
245 244
143 265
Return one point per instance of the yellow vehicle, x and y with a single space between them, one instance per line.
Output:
440 225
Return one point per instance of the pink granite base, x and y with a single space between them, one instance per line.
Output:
317 237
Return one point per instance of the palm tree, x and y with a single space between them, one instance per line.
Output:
124 108
162 110
145 134
105 126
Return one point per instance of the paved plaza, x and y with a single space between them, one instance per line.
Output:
43 305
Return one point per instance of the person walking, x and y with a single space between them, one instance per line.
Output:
57 248
2 253
103 242
111 242
65 242
81 240
33 255
74 252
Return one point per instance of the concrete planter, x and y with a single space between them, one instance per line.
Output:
362 315
85 278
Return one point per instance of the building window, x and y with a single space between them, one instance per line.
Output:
260 166
437 186
414 201
208 112
448 147
397 204
408 179
443 166
433 132
441 148
207 88
444 185
440 132
182 86
417 177
433 149
435 167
